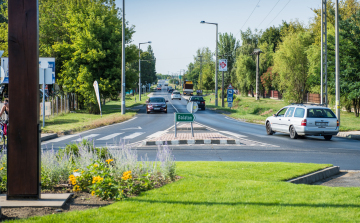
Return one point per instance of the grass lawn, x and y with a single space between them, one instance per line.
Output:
81 120
250 110
230 192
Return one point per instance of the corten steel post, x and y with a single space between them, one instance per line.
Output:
23 160
140 71
123 93
323 82
216 62
337 62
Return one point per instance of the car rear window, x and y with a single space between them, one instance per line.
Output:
299 113
320 113
197 99
176 92
157 99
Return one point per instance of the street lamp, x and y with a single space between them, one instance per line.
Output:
216 62
140 70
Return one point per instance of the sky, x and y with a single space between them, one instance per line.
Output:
173 26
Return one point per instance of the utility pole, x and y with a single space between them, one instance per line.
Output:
123 62
257 52
323 53
337 62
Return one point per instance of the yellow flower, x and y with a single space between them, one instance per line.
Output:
1 168
95 165
109 160
76 170
82 172
109 184
92 193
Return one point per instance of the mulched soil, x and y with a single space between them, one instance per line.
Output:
79 201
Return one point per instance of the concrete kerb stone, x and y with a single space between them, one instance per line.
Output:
316 176
193 142
48 136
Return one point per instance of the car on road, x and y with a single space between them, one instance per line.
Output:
303 120
175 95
171 90
158 87
156 104
199 100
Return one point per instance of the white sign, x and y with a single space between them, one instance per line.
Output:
44 62
230 104
96 87
47 109
47 72
194 106
223 65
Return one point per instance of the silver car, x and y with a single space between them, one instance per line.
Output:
299 119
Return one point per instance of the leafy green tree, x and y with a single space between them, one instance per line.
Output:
4 27
93 51
227 48
271 37
292 65
246 73
148 72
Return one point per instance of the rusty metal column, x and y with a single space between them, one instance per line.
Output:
23 161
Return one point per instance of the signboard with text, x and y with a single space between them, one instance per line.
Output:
184 117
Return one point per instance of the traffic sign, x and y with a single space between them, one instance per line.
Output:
230 99
230 87
230 104
223 65
184 117
194 106
230 95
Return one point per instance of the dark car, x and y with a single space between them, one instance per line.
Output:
199 100
156 104
159 87
171 90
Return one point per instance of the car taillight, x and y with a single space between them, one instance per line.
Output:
337 123
303 122
203 102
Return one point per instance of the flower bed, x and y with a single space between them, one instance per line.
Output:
106 173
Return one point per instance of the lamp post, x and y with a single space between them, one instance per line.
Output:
216 62
337 62
140 70
123 93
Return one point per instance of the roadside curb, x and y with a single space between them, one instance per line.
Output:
348 135
45 137
189 128
316 176
193 142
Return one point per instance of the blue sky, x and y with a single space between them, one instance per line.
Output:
176 33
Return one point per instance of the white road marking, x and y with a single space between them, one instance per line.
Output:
233 134
110 136
86 137
134 135
60 138
156 134
132 128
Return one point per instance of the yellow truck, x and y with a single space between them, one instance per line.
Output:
188 88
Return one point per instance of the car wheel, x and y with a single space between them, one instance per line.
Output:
147 112
293 133
166 111
327 138
268 129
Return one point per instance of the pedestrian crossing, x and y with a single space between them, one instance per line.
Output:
96 137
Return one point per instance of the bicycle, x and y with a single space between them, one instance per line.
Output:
3 135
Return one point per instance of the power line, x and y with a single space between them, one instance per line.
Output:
279 13
248 17
268 14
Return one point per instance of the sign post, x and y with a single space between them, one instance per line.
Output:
230 95
183 117
222 67
96 87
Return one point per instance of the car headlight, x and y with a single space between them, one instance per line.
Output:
164 106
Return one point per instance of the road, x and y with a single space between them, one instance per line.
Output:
339 151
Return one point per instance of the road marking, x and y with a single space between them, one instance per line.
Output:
60 139
110 136
233 134
86 137
134 135
132 128
156 134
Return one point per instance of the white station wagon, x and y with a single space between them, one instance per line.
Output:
299 119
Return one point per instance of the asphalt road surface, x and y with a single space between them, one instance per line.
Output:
339 151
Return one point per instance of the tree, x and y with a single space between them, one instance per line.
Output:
227 47
246 73
4 27
93 49
292 65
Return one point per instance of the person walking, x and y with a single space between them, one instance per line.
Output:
5 109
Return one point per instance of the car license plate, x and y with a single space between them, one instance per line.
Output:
198 102
321 123
156 108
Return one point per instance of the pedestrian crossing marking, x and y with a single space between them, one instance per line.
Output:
86 137
136 134
110 136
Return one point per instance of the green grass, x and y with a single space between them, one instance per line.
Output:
250 110
81 120
230 192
